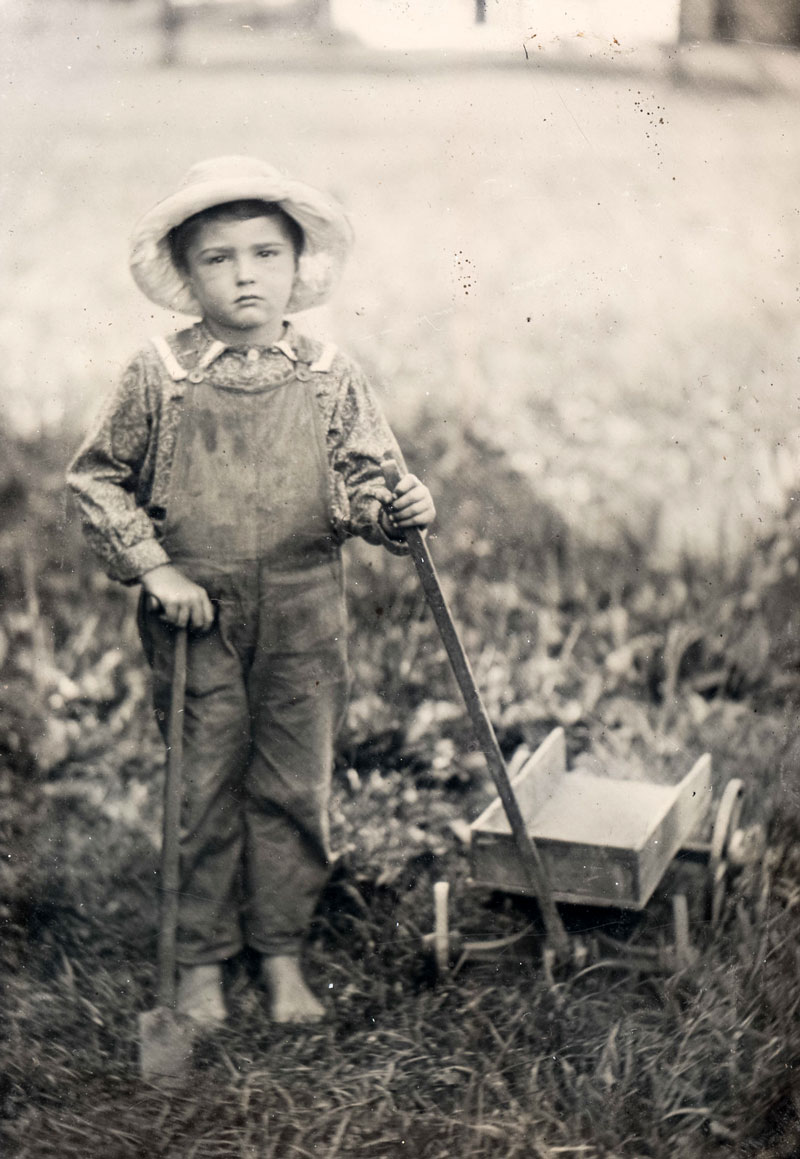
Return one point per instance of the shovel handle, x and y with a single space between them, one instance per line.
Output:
170 847
487 739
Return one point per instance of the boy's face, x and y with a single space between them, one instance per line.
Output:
242 274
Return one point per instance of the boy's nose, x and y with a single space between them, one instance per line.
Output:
244 271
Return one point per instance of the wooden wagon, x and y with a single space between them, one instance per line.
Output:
603 841
576 837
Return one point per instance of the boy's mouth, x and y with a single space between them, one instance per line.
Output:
248 299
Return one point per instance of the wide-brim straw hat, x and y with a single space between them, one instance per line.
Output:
327 232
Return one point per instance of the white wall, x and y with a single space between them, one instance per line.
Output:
442 23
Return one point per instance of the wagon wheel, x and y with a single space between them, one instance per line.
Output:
448 944
725 825
441 928
685 953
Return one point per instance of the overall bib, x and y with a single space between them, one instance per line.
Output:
248 519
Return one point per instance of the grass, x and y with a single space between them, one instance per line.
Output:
497 1061
593 365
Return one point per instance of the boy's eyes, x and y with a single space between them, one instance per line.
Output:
212 259
217 259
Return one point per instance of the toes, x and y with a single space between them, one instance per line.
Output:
298 1015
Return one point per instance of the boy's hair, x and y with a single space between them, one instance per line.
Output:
182 236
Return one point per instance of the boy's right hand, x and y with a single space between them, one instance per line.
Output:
182 602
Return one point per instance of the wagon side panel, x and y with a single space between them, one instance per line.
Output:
581 874
535 783
690 803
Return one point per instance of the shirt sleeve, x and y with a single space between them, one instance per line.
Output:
105 476
364 441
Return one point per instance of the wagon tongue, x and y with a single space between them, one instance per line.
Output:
529 856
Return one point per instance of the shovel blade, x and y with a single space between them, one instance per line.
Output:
165 1043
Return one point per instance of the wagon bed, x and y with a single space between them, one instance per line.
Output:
603 841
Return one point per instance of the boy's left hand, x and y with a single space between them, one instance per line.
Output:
411 505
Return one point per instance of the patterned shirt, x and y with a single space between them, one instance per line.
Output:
121 473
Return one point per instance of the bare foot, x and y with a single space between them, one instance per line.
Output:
292 1001
199 994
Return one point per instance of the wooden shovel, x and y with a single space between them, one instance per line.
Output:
165 1038
485 734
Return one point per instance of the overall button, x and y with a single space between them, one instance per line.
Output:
302 374
196 376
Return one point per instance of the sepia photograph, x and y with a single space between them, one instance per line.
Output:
399 577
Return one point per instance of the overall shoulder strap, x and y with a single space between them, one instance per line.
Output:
173 367
171 364
323 364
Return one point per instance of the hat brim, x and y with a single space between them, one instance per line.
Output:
327 235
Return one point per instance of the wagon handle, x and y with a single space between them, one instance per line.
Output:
529 855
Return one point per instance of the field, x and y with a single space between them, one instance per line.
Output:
577 291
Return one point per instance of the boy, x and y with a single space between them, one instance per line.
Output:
228 468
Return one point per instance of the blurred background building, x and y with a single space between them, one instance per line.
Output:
399 24
759 21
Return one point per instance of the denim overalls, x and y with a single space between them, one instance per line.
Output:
248 518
